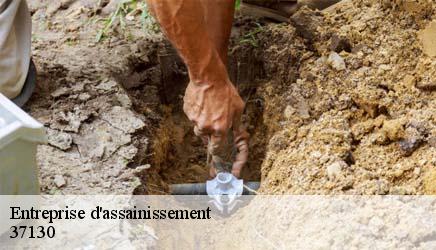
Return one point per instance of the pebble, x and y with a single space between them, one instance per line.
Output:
84 97
107 85
334 170
427 37
408 146
289 112
336 61
59 139
59 181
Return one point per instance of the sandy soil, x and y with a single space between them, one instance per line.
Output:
337 102
360 116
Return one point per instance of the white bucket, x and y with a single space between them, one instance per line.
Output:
19 136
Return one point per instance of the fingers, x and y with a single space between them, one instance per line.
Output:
202 135
241 143
212 172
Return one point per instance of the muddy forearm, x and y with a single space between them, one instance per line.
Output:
182 22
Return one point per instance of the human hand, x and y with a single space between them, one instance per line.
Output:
215 109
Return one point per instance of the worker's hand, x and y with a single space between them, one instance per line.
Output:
215 109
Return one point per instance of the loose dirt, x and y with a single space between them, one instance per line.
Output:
337 102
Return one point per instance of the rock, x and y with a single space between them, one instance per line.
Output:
336 61
124 100
289 112
418 8
315 154
340 43
334 170
111 7
409 81
408 146
60 92
393 129
402 190
59 181
303 108
84 97
386 4
360 129
430 182
128 152
99 140
63 91
53 7
432 141
426 85
428 39
371 107
413 139
123 119
70 121
107 85
59 139
307 22
107 184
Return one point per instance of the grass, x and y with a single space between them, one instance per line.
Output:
126 9
251 37
237 4
124 12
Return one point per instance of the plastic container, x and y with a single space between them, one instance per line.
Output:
19 136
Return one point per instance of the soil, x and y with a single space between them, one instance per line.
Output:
338 102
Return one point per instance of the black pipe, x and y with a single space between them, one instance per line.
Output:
200 188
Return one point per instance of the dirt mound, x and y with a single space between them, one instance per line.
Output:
356 118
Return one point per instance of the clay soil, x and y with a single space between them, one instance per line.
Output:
338 102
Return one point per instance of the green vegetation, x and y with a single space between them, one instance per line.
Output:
251 37
126 10
238 4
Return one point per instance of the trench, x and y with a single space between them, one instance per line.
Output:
175 154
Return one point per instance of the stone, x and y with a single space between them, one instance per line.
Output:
413 138
124 100
428 39
339 44
71 120
426 85
416 7
60 92
289 112
393 129
123 119
84 97
59 139
430 182
99 140
107 85
372 108
336 61
128 152
307 22
409 81
303 109
334 170
59 181
111 7
408 146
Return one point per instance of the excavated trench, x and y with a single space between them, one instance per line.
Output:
175 154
